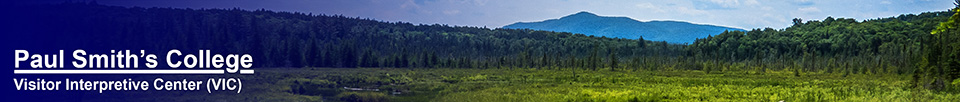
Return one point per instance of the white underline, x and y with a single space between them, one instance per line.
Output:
246 71
127 71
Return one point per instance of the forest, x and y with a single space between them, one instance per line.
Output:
921 46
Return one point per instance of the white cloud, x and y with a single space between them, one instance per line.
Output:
808 10
735 3
414 7
689 11
480 2
655 8
650 7
766 8
451 12
751 2
409 3
803 2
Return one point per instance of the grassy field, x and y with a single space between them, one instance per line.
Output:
529 85
479 85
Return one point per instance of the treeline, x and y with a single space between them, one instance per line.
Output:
887 45
292 39
895 45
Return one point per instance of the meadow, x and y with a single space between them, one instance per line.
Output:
533 85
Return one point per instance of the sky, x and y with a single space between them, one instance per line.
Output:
745 14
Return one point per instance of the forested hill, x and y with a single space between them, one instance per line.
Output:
902 45
622 27
893 38
292 39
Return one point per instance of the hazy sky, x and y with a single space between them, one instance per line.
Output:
747 14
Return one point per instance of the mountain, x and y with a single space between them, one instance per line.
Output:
623 27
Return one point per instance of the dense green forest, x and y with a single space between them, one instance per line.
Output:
914 44
890 40
894 45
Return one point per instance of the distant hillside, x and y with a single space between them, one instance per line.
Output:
623 27
293 39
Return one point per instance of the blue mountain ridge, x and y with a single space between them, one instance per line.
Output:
622 27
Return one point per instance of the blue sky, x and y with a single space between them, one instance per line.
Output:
747 14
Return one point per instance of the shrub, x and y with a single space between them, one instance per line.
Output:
312 87
362 97
956 83
644 99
